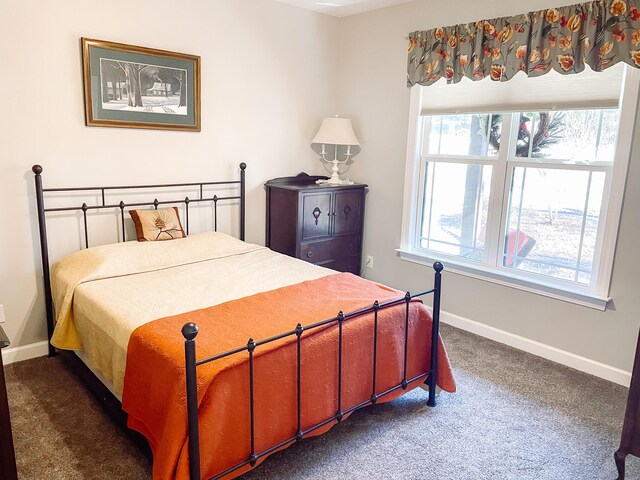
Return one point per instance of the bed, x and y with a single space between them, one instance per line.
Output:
222 352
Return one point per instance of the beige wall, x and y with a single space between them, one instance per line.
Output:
266 83
373 92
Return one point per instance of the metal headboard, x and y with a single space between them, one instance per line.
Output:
84 208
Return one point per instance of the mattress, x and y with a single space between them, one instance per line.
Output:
103 294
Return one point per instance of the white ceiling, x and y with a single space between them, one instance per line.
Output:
342 8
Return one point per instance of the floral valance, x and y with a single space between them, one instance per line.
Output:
600 34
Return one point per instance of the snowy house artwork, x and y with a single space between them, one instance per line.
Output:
159 88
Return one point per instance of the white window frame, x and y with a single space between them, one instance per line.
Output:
595 295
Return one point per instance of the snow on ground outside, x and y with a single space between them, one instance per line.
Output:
151 104
556 242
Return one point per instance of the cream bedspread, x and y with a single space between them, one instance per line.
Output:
103 294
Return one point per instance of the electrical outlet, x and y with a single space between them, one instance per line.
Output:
369 261
1 313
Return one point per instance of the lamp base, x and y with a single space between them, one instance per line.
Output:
334 182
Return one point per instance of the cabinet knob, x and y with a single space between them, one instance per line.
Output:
309 254
316 214
350 247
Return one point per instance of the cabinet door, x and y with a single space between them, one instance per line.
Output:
316 215
347 212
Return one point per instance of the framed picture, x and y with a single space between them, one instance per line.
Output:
136 87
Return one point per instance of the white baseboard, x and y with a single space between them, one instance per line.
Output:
25 352
554 354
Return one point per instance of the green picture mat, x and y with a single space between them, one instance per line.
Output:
100 113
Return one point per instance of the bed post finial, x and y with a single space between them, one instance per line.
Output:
243 166
189 331
37 169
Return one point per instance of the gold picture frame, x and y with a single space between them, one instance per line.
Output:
128 86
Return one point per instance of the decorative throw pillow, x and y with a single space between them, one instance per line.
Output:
153 225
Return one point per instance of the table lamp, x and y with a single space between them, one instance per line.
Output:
337 132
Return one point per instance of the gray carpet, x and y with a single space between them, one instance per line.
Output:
515 416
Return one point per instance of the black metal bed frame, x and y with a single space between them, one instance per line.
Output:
84 208
190 330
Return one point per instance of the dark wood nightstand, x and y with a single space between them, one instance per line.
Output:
7 454
317 223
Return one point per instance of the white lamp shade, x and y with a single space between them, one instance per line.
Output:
336 131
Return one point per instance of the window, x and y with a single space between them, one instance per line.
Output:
457 170
529 198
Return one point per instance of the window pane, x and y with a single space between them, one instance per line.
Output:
454 213
570 136
552 222
592 219
608 135
433 136
476 135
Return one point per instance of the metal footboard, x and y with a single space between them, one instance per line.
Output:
190 331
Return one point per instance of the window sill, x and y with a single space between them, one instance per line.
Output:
479 272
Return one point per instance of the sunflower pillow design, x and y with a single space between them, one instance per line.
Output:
154 225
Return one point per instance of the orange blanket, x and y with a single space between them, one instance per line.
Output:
154 387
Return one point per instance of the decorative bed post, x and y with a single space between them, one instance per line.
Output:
243 167
44 253
189 331
435 332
